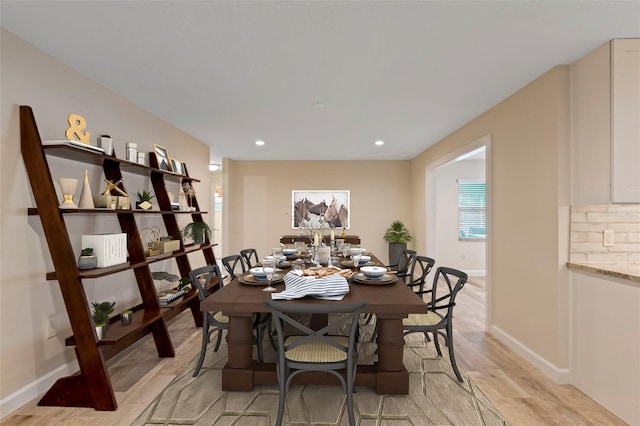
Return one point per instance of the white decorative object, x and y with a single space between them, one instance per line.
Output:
105 142
68 187
86 198
132 151
110 249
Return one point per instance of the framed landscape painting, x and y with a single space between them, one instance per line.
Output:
331 205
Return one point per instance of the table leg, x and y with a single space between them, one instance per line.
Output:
392 376
237 374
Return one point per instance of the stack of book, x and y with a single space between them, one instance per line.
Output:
166 297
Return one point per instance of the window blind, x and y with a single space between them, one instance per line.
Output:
472 200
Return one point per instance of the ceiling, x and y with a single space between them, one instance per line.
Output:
233 72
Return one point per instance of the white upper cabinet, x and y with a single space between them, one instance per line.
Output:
625 121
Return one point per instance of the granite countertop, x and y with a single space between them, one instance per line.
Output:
626 271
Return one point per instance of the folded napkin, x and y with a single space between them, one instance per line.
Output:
331 287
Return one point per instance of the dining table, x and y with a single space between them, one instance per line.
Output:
390 301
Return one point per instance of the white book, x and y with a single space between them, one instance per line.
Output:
110 249
76 144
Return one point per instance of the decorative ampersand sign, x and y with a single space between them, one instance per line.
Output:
77 123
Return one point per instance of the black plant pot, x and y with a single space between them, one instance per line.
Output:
394 251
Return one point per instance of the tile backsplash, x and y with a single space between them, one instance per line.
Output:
588 224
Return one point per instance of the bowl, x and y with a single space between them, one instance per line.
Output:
364 259
373 272
357 250
289 251
259 273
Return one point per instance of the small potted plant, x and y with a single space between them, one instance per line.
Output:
397 235
87 259
144 200
100 316
126 317
196 231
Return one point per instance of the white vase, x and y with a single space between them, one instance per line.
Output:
68 187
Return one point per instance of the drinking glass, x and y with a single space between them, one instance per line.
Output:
269 267
356 259
277 254
345 249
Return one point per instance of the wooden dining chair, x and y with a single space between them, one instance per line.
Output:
309 350
404 265
438 319
231 264
250 257
215 322
422 266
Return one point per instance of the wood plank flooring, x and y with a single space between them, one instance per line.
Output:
521 393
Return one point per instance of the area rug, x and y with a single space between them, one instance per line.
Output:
435 396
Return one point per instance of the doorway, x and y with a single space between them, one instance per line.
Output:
449 241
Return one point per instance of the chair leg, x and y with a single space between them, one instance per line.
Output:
259 337
451 354
205 342
437 343
218 340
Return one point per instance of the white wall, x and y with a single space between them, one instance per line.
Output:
468 256
31 359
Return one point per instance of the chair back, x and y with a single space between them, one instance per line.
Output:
454 280
421 268
405 264
231 264
281 313
250 257
210 274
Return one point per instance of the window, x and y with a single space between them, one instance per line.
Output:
472 197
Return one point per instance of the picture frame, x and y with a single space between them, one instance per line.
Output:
162 155
177 166
332 205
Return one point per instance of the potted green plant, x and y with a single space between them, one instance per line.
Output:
87 259
196 231
397 235
100 316
144 200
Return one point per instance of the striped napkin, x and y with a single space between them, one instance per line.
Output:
331 287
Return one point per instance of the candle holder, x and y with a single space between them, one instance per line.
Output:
68 187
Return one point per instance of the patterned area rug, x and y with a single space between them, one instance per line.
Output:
435 396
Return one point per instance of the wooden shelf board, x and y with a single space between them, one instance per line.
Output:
103 272
97 159
33 211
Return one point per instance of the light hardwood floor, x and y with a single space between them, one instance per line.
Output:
521 393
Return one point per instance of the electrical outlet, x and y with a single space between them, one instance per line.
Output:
607 239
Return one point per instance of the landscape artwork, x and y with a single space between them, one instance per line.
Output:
313 206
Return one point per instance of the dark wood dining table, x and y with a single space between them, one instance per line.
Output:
389 302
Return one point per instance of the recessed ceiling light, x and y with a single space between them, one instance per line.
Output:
213 167
317 105
379 143
260 143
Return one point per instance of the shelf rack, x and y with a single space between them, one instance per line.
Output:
91 386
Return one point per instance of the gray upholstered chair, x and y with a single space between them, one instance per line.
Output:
250 257
215 322
231 264
309 350
438 319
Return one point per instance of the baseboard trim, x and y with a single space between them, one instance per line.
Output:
561 376
36 388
